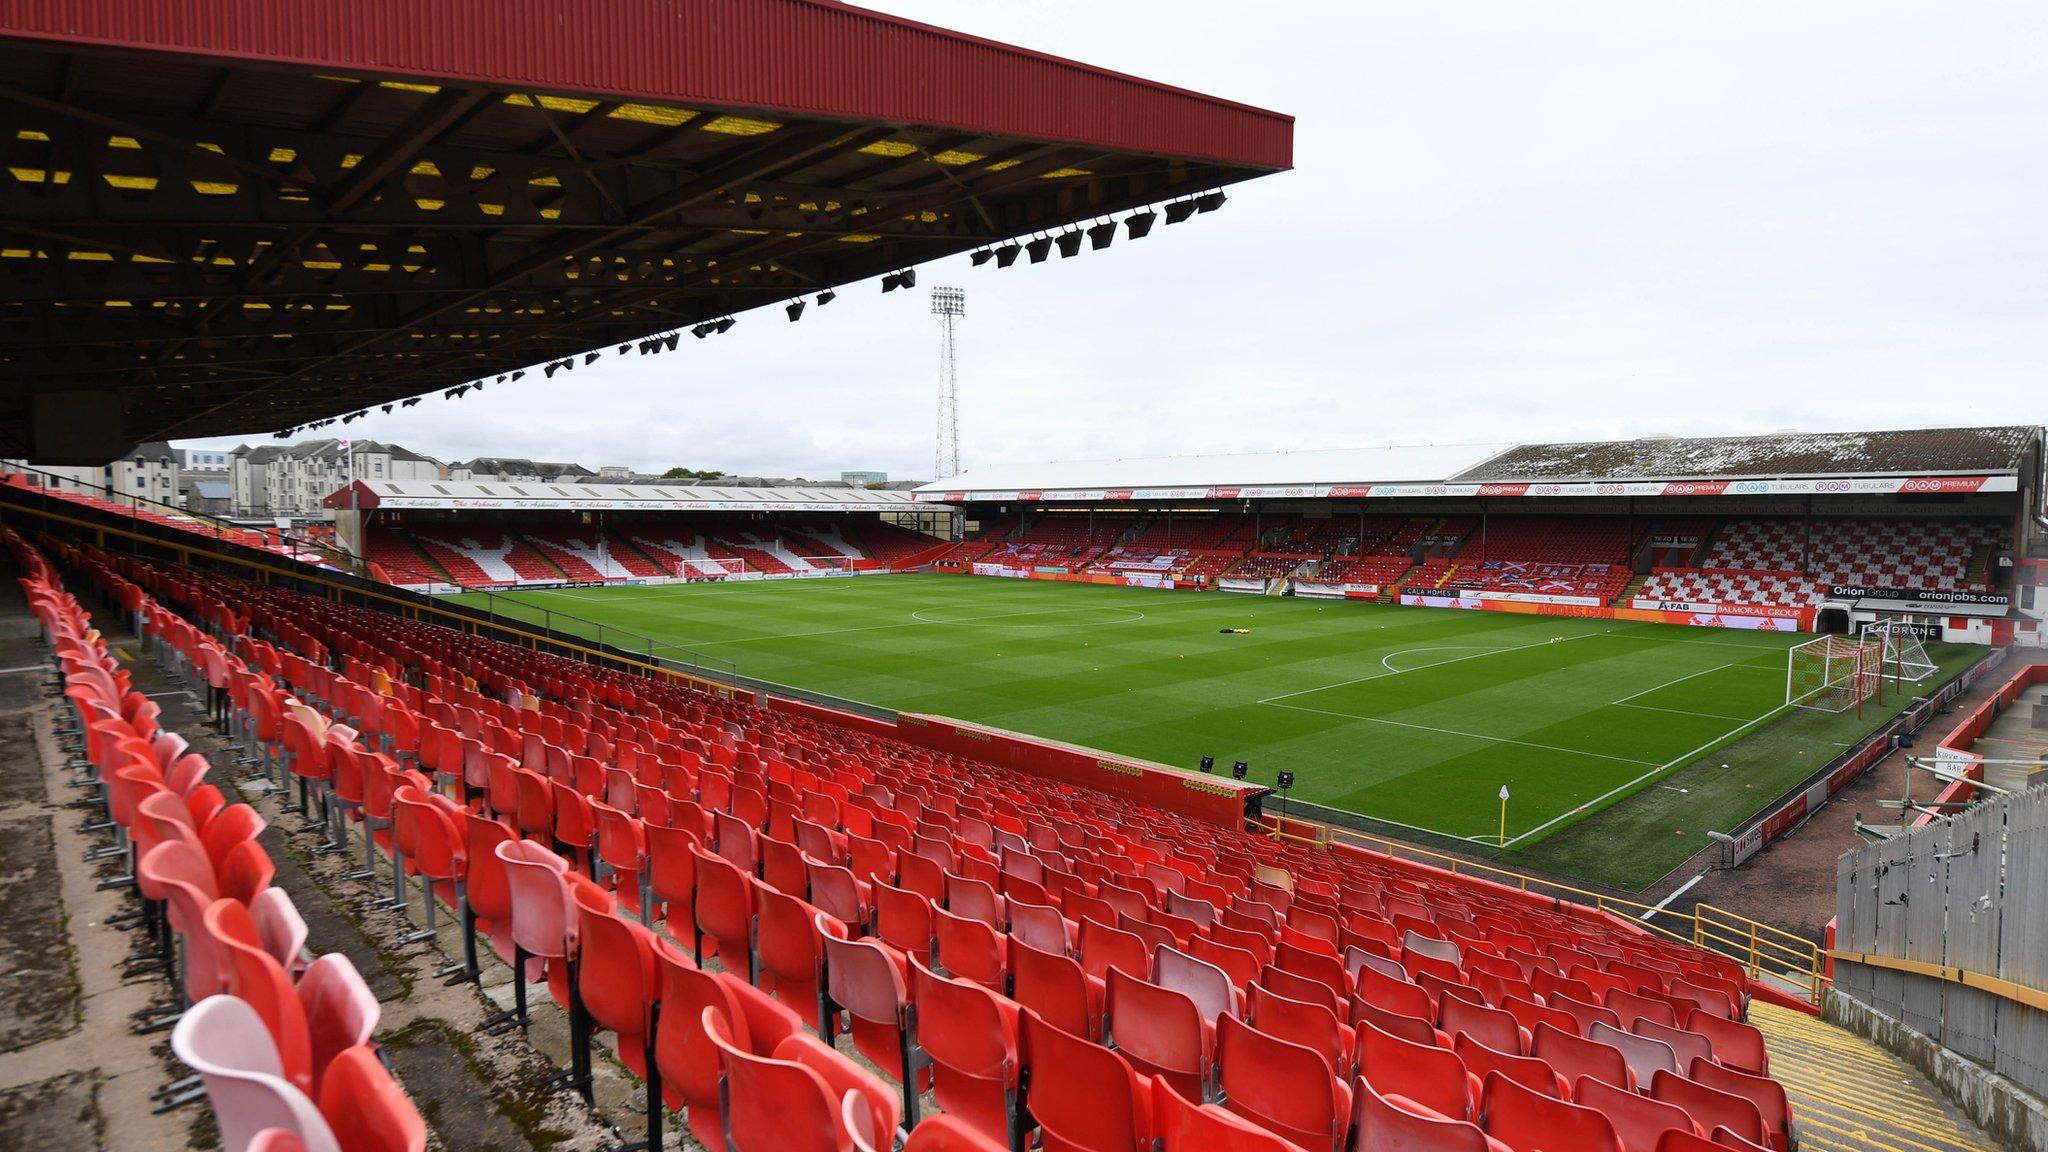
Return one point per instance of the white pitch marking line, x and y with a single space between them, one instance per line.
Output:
1680 680
1403 671
1680 712
1482 649
1467 735
916 623
1650 775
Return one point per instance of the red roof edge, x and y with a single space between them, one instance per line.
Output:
794 56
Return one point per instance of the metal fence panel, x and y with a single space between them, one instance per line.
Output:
2022 1036
1966 893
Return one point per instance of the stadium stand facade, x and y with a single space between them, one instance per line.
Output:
1810 531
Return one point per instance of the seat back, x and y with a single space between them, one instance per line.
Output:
1639 1121
1182 1125
1430 1076
1710 1108
1576 1058
971 1035
366 1108
1055 988
1159 1030
1204 983
341 1011
1645 1056
255 977
1084 1097
1523 1118
543 910
1282 1087
1383 1126
770 1105
225 1042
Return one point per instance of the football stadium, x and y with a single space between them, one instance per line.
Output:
1652 793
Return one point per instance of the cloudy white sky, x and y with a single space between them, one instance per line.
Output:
1507 221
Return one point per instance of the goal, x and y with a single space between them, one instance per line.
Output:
1832 674
1903 653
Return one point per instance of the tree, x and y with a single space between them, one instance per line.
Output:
690 474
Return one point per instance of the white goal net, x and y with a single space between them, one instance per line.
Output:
1831 674
1902 651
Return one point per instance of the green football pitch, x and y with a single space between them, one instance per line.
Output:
1620 744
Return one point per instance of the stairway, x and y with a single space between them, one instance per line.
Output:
1633 589
1848 1095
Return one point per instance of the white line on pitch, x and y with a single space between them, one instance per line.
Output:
1679 711
1681 890
1467 735
1650 775
1680 680
1274 700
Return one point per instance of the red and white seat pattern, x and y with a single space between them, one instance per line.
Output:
1732 586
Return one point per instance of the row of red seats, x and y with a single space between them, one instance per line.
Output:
268 1032
1155 873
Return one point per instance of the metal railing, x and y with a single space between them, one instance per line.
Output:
1765 952
507 606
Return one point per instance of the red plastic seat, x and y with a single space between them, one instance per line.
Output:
1585 1012
620 988
1576 1058
773 1105
1204 983
1490 1026
687 1060
1736 1045
367 1109
1710 1108
1527 1071
1686 1046
1313 1026
969 949
971 1036
1083 1097
1387 1124
787 953
255 977
1526 1119
1284 1088
1631 1007
1768 1095
1160 1032
725 910
1181 1125
340 1010
1639 1121
903 919
1432 1077
1645 1056
672 876
869 981
1055 987
1103 947
1402 996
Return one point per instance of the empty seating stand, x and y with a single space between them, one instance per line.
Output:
1045 957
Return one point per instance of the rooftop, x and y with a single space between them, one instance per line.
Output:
1916 451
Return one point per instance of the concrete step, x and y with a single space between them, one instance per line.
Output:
1848 1095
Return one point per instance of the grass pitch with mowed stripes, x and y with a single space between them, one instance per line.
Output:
1412 717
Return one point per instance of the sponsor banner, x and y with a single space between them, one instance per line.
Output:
1320 591
1778 611
1145 580
1957 598
1824 486
1004 570
1441 599
1237 584
1601 612
1051 570
1540 598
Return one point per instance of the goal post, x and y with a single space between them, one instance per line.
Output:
1902 650
1832 674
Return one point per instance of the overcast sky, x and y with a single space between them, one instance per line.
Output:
1507 221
